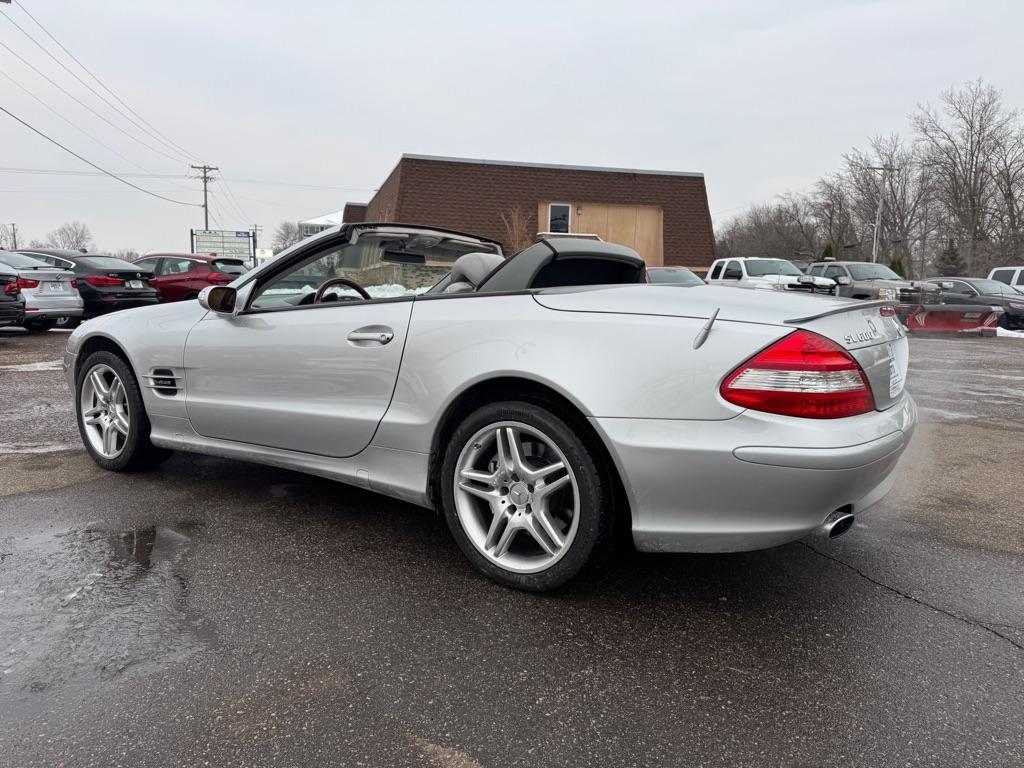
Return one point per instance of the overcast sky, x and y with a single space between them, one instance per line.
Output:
760 96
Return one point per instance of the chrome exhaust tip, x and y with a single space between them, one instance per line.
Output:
837 524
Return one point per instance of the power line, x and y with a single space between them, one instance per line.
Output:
82 131
101 83
96 93
204 170
59 172
89 162
71 96
234 201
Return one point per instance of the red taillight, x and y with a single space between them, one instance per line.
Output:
219 277
11 287
103 281
804 375
887 311
74 283
24 282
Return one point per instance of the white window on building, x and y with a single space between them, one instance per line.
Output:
559 217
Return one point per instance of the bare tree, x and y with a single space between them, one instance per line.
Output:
958 146
71 236
286 235
518 229
126 254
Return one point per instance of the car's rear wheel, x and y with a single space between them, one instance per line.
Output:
38 326
524 497
112 419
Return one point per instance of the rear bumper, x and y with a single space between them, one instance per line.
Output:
753 481
114 304
11 313
53 306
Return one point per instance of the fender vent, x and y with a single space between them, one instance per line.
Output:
165 382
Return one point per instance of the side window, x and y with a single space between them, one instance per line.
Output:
177 266
733 271
1006 276
963 289
816 270
1020 277
834 272
150 265
559 217
716 270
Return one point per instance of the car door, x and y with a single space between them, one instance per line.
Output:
287 372
834 272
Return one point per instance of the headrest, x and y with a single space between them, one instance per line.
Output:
472 268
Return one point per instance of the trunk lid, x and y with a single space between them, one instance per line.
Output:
878 343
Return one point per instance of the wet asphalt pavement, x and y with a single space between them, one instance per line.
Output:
225 614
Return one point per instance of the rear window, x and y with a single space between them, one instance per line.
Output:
108 263
19 261
230 266
1003 275
675 276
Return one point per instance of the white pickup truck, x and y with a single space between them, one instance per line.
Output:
767 274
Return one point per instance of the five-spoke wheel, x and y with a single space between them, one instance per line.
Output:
105 411
111 415
523 496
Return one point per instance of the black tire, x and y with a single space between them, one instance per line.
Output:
38 326
138 452
593 535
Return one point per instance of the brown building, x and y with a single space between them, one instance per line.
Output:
662 214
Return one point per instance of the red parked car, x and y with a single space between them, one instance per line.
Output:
181 276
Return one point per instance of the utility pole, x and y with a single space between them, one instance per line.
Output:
206 178
881 204
14 236
256 229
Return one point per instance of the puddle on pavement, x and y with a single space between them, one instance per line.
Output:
89 605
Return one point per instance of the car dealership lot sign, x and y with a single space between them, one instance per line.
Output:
227 242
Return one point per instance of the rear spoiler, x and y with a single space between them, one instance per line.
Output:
853 305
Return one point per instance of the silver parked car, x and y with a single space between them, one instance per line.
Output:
50 293
534 401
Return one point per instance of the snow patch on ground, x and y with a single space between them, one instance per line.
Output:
37 448
1009 334
48 365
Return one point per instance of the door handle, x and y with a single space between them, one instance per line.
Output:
371 335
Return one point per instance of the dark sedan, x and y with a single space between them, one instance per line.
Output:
977 290
107 284
12 306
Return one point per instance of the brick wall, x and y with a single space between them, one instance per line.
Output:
353 213
471 197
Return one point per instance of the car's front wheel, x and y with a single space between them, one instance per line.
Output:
112 419
523 496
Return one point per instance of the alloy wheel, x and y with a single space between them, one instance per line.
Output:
516 497
104 411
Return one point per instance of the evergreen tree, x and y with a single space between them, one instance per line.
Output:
950 263
896 265
828 254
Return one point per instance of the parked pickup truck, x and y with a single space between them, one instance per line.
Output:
864 280
767 274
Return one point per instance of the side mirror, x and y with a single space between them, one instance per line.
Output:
843 280
218 298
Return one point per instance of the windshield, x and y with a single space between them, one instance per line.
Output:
230 266
675 276
761 267
993 288
872 272
19 261
108 263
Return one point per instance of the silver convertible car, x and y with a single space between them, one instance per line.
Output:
538 401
